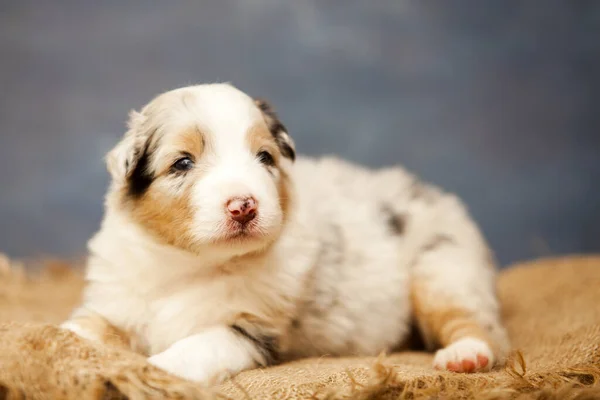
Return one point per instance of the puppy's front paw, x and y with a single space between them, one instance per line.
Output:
465 355
180 365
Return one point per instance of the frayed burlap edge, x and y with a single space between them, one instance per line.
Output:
514 383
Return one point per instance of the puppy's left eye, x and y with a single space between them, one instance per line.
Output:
183 164
266 158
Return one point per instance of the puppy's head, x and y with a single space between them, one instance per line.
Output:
204 166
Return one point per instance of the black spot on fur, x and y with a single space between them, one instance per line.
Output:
395 221
140 178
438 241
267 345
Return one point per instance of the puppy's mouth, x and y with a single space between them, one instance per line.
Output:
236 232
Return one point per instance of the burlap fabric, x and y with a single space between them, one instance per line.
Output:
551 308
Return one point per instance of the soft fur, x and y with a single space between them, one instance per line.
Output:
339 260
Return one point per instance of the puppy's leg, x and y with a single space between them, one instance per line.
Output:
211 356
453 293
94 327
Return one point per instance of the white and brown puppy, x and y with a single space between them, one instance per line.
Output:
220 252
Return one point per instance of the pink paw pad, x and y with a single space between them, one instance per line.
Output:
466 356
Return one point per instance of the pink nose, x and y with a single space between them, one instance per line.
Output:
242 209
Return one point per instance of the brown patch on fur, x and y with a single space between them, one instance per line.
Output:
258 138
162 212
285 195
442 323
190 141
105 332
166 215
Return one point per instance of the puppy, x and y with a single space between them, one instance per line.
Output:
220 251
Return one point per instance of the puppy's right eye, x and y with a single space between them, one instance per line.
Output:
183 164
265 158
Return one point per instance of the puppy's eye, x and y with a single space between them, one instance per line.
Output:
266 158
183 164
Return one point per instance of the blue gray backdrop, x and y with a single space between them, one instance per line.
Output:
495 100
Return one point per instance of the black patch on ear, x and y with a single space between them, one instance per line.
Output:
276 128
286 150
140 179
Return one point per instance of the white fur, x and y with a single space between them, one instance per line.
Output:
334 280
207 356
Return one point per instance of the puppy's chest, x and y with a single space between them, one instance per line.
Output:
179 310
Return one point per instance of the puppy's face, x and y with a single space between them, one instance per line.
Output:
204 167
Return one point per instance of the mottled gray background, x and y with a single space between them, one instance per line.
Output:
496 100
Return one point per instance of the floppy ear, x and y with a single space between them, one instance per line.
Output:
278 130
123 159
